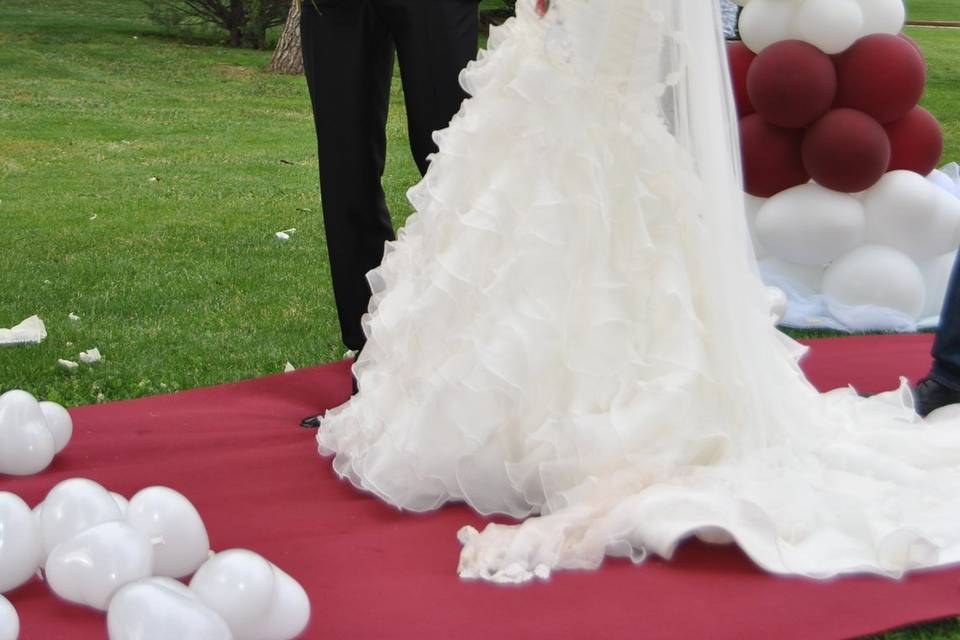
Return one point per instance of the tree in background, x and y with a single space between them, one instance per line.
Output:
288 57
247 21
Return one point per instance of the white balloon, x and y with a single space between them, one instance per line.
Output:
26 444
122 503
876 276
9 621
59 423
237 584
909 213
73 506
288 614
764 22
257 599
830 25
161 609
936 276
882 16
20 547
752 206
810 225
168 519
92 565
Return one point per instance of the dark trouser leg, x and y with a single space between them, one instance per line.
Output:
435 41
946 348
348 61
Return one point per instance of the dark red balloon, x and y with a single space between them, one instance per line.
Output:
882 75
846 150
771 157
740 58
792 83
913 43
916 142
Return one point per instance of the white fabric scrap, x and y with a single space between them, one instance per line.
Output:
69 365
90 357
30 331
74 317
282 236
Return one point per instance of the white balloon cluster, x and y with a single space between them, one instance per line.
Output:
891 247
830 25
31 433
9 621
98 550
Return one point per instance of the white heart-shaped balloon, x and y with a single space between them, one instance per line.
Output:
172 523
9 621
288 614
20 547
161 609
59 423
257 599
122 503
237 584
26 444
73 506
91 566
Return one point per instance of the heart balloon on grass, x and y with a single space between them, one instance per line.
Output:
31 433
161 609
21 550
91 566
258 600
9 621
174 527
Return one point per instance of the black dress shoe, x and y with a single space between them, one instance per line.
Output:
313 422
929 395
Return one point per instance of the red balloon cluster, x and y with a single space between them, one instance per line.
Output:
842 120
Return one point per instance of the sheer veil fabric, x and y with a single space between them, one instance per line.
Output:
571 329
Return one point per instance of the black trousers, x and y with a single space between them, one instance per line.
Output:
946 347
348 58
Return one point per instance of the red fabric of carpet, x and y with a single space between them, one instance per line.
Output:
374 573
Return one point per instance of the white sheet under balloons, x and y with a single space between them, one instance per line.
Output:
30 331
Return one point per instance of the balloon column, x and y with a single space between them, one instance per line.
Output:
836 154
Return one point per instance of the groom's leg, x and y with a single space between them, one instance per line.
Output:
435 41
946 348
348 61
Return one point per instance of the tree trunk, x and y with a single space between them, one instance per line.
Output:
288 57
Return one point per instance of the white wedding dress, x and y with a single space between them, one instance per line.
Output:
571 329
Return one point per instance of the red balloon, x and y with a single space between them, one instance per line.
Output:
913 43
771 157
846 150
740 58
882 75
916 142
792 83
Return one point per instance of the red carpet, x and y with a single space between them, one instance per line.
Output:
376 574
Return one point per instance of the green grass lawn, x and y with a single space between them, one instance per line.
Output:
142 177
179 281
942 10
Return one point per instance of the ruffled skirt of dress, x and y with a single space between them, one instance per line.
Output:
547 337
